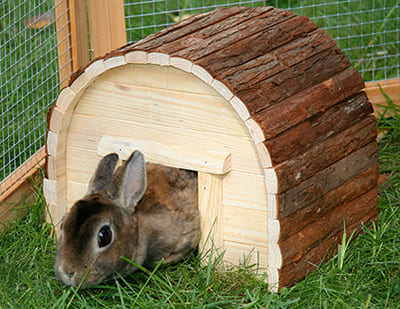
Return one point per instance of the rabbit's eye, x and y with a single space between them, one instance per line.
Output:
104 236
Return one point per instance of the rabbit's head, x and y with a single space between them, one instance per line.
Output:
101 227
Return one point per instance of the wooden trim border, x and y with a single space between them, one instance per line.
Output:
391 87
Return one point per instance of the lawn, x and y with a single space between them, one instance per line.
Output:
364 274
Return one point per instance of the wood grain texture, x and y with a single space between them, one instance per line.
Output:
107 25
350 190
184 28
210 207
293 272
79 34
326 180
203 160
314 70
309 102
217 35
213 46
330 223
391 88
321 155
65 61
315 129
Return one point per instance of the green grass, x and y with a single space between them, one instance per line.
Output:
364 274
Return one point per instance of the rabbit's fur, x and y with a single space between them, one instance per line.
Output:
144 225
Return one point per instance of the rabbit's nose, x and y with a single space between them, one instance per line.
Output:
65 275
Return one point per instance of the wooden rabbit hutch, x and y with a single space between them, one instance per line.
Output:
261 103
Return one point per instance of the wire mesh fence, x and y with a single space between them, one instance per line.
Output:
32 31
367 31
29 78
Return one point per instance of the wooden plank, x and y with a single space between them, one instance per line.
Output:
17 188
326 180
245 225
65 59
55 214
391 87
261 36
316 129
95 69
22 194
267 256
185 27
55 167
86 132
210 207
307 103
302 46
314 257
10 183
107 25
279 87
294 222
221 34
161 59
188 83
79 34
206 160
240 108
75 191
330 223
154 76
254 197
161 106
58 120
298 169
136 57
80 84
81 165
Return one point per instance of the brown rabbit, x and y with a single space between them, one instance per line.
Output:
119 217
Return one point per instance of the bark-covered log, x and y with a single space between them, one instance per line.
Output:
322 251
211 39
351 189
278 60
260 43
326 180
332 222
184 28
314 70
321 126
308 103
325 153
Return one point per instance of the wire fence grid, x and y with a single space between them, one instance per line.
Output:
29 79
367 31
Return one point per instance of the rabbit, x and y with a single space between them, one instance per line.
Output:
145 212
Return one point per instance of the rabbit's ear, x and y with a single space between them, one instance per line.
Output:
129 182
103 175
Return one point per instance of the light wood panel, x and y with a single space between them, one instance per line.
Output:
107 25
161 107
188 157
391 88
211 212
79 33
